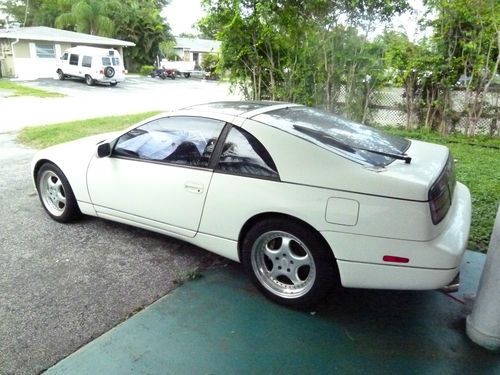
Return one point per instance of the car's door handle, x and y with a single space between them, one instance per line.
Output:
193 187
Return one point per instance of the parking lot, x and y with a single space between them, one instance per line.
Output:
136 94
63 285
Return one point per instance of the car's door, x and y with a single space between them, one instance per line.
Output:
158 174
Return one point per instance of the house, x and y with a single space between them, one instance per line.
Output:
32 52
193 49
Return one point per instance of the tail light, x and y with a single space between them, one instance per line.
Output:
441 192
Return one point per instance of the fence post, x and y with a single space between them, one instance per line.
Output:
483 324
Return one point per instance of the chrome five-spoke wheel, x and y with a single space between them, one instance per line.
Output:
56 194
52 193
289 262
283 264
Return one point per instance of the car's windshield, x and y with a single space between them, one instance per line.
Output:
337 134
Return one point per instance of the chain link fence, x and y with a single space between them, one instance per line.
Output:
388 107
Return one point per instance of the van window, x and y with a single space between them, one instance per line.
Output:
65 56
116 61
87 61
73 59
106 61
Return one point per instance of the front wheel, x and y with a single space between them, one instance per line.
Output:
56 194
289 262
61 75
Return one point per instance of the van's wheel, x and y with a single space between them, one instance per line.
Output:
56 194
113 84
289 263
187 75
61 75
89 80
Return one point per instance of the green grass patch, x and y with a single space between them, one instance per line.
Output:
48 135
478 167
21 90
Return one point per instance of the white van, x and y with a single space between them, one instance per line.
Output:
93 64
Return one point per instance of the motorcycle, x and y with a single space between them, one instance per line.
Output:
163 73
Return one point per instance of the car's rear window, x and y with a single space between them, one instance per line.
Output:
337 134
106 61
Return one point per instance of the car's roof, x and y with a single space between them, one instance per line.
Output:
246 109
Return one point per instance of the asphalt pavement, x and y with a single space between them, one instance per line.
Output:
136 94
62 285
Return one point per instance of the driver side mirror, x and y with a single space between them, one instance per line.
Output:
103 150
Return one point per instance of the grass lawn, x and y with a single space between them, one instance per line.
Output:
48 135
21 90
478 167
478 161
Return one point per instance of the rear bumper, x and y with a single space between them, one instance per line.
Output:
432 264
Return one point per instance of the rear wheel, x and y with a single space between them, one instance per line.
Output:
289 262
89 80
112 84
61 75
56 194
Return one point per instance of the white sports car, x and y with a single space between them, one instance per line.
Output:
303 198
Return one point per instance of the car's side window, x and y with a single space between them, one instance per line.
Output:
178 140
73 59
65 56
243 154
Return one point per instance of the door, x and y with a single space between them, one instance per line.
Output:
158 174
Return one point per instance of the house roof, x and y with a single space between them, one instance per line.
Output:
198 45
57 35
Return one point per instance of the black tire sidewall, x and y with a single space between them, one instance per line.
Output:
71 211
325 264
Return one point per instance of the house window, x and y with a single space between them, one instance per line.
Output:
45 50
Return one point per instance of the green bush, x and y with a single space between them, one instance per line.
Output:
146 70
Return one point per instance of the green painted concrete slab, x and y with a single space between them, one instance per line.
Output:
220 324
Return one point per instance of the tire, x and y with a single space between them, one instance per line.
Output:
109 72
187 75
61 75
113 84
289 263
89 80
56 194
163 75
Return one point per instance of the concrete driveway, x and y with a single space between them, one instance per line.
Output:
63 285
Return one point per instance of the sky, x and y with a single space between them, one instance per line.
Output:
182 14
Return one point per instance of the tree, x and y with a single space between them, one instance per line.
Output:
89 16
467 39
298 51
140 22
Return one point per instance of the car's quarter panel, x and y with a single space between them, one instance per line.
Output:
390 205
232 200
160 195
